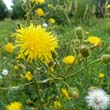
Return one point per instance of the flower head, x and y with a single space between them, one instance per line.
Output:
28 76
65 93
97 99
40 12
108 6
86 33
57 104
52 21
45 25
9 47
5 72
101 75
94 40
69 59
36 43
14 106
38 1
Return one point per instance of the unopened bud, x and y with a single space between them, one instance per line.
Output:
105 58
74 92
79 32
92 88
84 50
76 44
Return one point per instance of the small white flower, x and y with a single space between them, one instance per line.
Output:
98 99
45 25
5 72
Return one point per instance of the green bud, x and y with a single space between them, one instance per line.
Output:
92 88
74 92
79 33
76 44
105 58
84 50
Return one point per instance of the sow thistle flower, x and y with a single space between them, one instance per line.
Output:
28 76
65 93
94 40
69 59
101 75
38 1
52 21
57 104
35 43
40 12
9 47
15 106
108 6
98 99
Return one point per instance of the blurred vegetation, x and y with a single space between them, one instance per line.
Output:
3 10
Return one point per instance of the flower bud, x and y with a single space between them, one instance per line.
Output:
79 33
92 88
74 92
76 43
84 50
105 58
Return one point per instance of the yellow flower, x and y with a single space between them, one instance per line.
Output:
16 67
38 1
94 40
101 75
9 47
28 76
69 59
108 6
57 104
36 43
40 12
65 93
87 33
52 20
15 106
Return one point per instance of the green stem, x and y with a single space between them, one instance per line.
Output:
82 69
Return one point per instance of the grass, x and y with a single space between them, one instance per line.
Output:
6 28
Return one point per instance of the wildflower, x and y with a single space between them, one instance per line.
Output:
101 75
9 47
45 25
65 93
57 104
52 21
86 33
94 40
108 6
40 12
28 76
36 43
15 106
16 67
38 1
97 99
5 72
69 59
